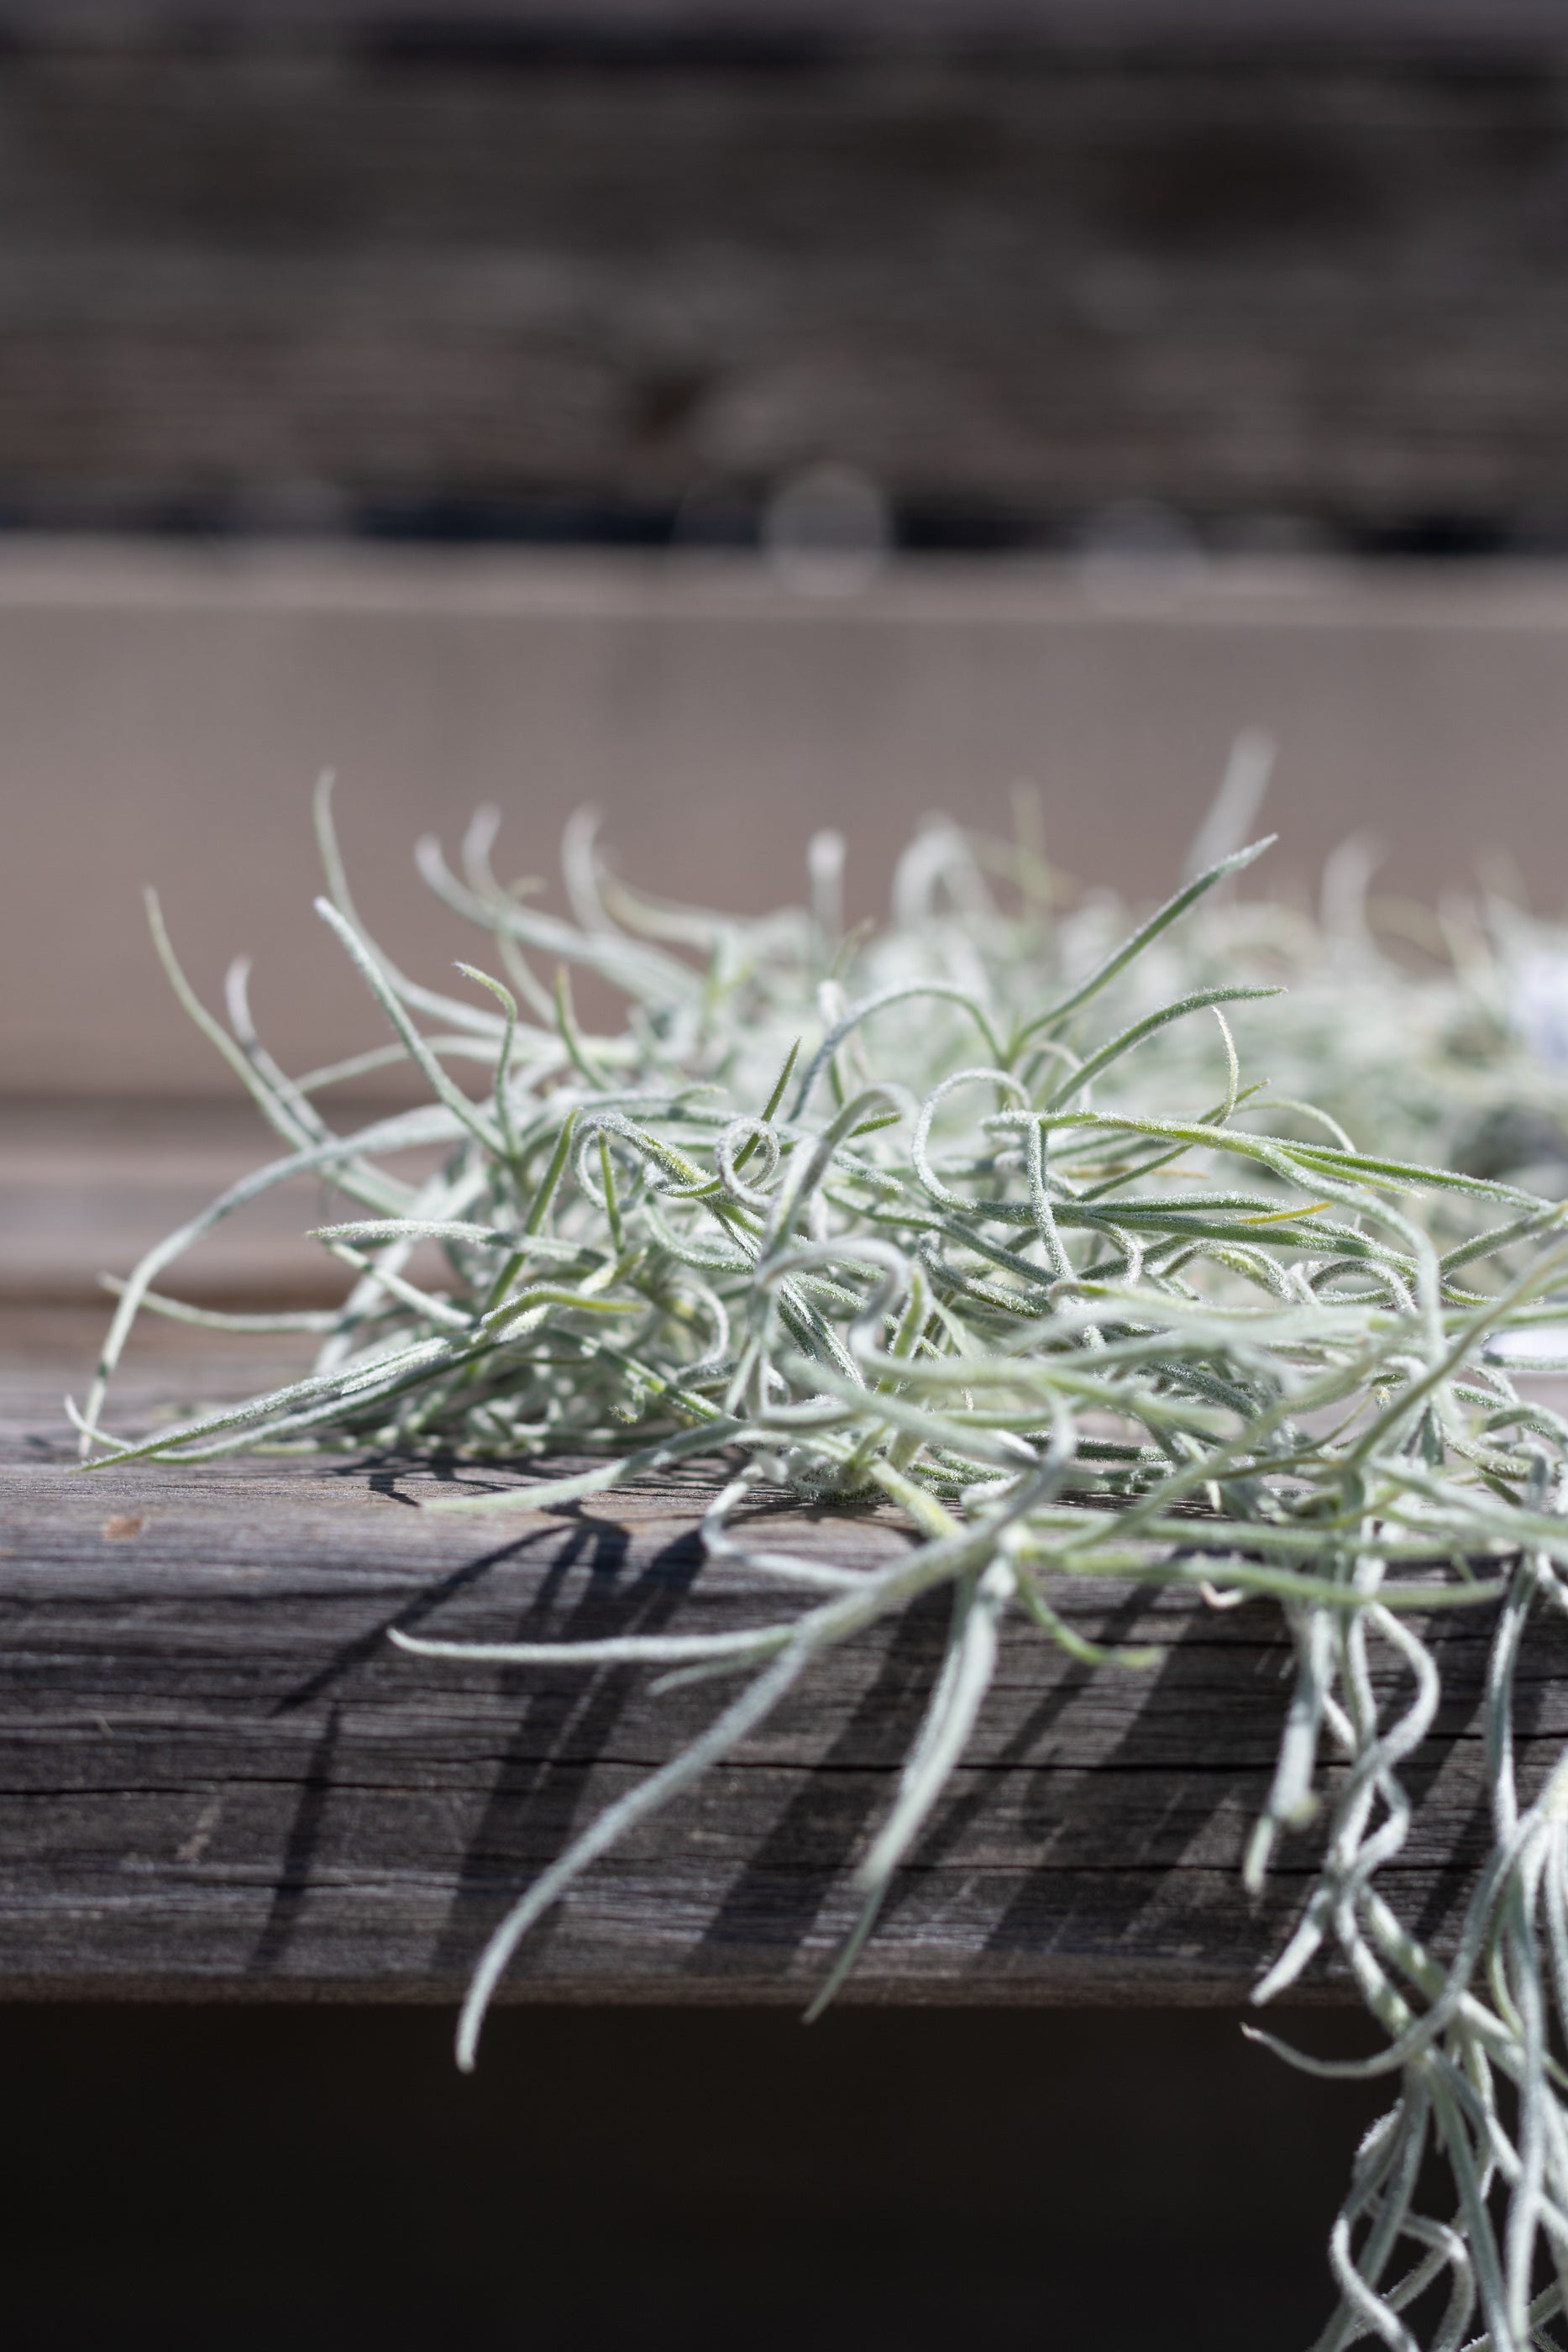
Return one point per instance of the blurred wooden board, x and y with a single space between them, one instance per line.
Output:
769 28
290 284
219 1777
168 709
87 1187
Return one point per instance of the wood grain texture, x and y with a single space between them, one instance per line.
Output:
219 1777
1032 284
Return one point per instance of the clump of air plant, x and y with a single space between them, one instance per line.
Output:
979 1212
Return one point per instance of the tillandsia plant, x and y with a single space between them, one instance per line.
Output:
979 1213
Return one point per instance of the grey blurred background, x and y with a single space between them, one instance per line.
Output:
746 416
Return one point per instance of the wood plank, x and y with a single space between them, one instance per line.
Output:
168 708
220 1778
85 1187
766 29
240 285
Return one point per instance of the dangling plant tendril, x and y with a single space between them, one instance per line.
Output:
978 1215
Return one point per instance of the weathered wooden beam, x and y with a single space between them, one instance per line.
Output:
218 1777
242 286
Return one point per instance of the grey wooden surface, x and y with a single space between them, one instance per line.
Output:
168 708
219 1779
1453 27
249 285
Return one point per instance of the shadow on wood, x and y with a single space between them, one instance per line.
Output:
222 1778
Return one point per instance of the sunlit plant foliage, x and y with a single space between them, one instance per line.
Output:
982 1213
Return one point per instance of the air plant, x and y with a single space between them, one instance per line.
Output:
980 1213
